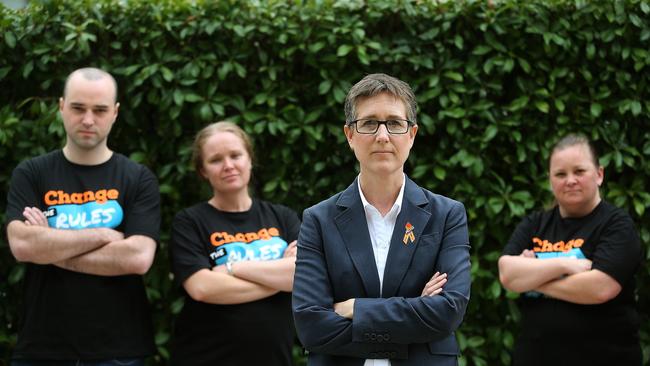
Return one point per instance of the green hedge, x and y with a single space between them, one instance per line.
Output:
497 82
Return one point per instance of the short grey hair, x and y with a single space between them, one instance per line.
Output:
375 84
90 73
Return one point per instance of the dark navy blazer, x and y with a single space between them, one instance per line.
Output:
336 262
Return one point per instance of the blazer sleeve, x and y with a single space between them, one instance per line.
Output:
424 318
319 328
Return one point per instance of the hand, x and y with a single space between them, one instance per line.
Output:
527 253
111 235
220 269
291 250
34 217
434 286
574 265
345 308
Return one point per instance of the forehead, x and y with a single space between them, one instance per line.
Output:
382 105
222 142
575 155
90 92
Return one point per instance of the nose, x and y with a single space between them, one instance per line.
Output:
382 133
88 118
571 179
227 163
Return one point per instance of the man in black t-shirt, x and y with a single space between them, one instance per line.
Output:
85 220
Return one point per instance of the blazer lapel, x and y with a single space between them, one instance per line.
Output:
413 216
353 227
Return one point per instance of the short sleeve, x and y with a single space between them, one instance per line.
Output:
143 217
22 193
291 222
188 255
521 238
618 252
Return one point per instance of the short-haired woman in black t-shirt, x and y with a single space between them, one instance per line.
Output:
574 266
234 257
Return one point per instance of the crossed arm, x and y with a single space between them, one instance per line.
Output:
339 328
97 251
250 280
567 279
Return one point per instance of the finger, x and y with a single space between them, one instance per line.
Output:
432 287
435 285
436 292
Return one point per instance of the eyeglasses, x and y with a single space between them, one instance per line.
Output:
371 126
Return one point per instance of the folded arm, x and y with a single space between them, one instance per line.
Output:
521 273
133 255
214 287
589 287
30 241
319 327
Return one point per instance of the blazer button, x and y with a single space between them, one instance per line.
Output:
387 337
373 337
392 355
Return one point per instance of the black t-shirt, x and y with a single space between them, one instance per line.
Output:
255 333
69 315
555 332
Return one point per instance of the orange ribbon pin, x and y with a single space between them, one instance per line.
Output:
408 234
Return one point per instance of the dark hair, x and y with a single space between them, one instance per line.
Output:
211 129
374 84
572 140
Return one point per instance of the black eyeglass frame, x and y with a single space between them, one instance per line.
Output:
379 123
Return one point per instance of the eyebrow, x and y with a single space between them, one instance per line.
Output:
97 106
390 116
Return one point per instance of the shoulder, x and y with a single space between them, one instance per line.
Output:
197 210
131 166
41 162
432 202
324 207
611 214
275 207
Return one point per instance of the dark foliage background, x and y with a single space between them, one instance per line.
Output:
497 83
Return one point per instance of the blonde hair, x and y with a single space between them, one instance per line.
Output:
211 129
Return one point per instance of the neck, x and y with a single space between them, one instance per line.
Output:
239 202
579 211
94 156
381 192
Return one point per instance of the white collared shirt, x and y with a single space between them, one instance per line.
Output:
381 231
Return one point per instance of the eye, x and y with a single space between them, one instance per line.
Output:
560 174
100 111
367 123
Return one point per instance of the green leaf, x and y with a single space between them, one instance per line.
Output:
596 109
10 39
454 76
270 186
481 50
343 50
490 132
193 98
542 106
324 87
518 103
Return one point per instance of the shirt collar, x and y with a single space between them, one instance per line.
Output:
397 205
